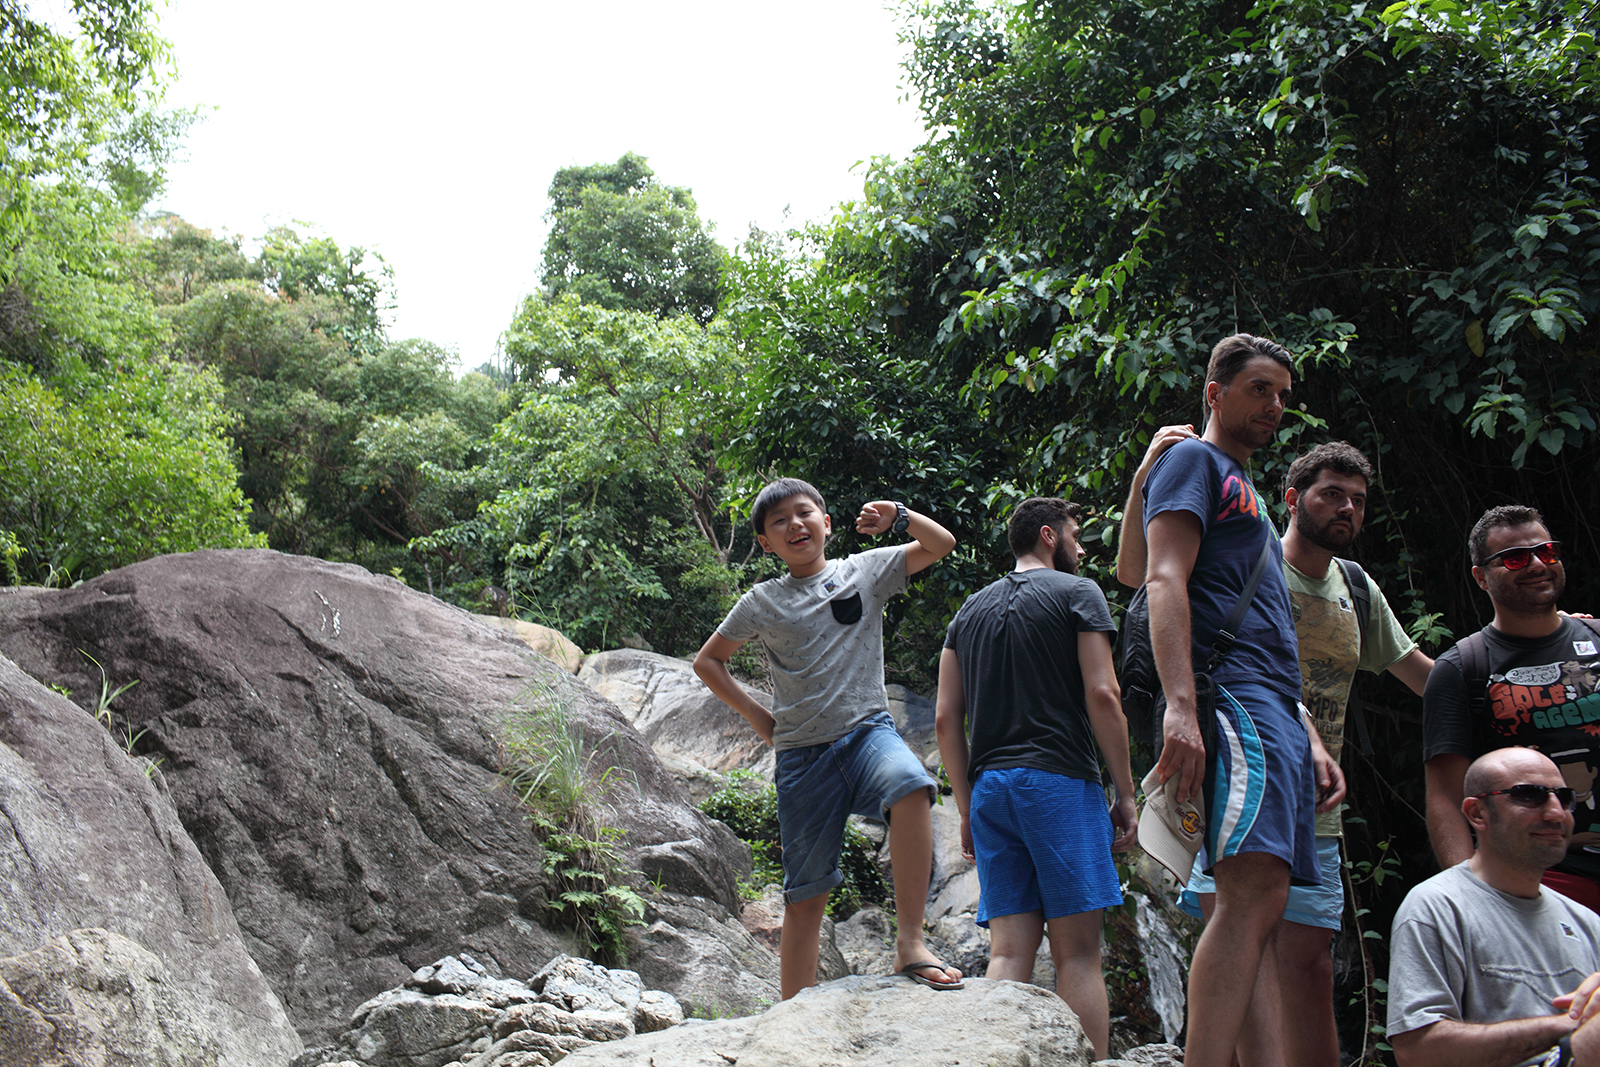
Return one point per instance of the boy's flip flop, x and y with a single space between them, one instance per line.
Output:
912 971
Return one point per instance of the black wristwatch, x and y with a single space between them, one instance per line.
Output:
902 518
1560 1056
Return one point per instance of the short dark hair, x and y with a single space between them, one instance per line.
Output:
1341 457
1231 354
776 492
1034 512
1494 519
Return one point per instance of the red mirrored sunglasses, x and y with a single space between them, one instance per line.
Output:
1514 559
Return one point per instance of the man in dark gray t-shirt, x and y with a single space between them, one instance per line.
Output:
1028 704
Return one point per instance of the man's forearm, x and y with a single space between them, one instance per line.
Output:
950 727
1170 641
1110 727
1132 551
1447 827
1450 1043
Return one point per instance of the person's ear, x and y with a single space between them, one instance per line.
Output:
1477 817
1480 576
1291 497
766 546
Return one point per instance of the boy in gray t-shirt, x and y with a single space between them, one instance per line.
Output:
838 751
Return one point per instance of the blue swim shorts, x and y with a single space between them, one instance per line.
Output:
1043 843
1263 793
865 772
1309 905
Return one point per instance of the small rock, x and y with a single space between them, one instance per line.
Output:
658 1010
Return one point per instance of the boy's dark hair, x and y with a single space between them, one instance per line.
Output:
776 492
1494 519
1338 456
1232 353
1034 512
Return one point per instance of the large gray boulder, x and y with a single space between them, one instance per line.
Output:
87 841
92 997
696 950
331 740
692 731
884 1022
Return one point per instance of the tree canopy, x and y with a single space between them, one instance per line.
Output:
622 240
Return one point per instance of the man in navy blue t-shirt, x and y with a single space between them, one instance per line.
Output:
1206 526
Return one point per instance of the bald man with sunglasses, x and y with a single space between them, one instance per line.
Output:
1528 678
1486 966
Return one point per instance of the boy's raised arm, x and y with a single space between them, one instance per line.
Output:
711 664
933 542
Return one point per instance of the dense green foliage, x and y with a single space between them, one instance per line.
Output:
621 240
109 451
603 494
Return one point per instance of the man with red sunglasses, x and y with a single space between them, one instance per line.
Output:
1528 678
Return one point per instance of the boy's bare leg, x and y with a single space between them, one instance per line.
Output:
1261 1042
1075 949
1252 888
797 944
1014 945
911 856
1305 977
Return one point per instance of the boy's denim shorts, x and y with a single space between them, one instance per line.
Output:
865 772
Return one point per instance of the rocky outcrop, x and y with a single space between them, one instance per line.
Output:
553 645
882 1022
699 951
87 841
454 1013
693 732
331 743
92 997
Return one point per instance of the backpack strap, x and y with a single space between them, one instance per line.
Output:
1360 595
1230 629
1475 673
1361 603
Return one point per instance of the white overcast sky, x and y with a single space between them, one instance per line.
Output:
429 133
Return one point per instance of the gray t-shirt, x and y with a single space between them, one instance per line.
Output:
1462 950
824 640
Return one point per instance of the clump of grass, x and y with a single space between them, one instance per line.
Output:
547 761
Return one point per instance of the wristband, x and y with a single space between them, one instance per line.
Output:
902 518
1560 1056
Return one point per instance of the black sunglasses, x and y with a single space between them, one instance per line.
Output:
1534 796
1514 559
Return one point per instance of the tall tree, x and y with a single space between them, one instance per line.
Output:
602 510
620 239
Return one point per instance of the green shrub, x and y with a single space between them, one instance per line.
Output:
751 812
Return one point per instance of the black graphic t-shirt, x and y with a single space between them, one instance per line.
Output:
1542 693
